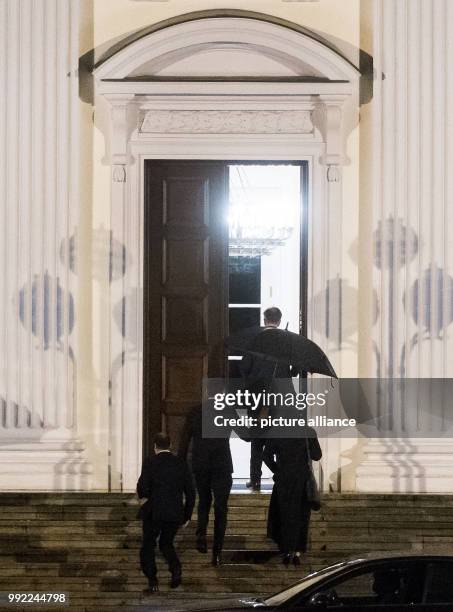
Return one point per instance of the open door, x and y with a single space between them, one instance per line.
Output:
185 280
267 261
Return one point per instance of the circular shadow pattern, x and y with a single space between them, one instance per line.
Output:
125 315
48 315
107 254
433 282
396 236
339 292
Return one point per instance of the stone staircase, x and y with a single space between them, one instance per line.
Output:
86 544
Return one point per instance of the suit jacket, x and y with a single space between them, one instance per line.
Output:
167 484
208 454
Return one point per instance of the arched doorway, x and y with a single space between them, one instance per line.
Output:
219 85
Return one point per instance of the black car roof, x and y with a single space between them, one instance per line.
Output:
382 556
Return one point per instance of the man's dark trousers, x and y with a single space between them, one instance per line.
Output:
209 485
165 531
256 459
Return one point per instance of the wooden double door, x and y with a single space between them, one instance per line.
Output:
185 288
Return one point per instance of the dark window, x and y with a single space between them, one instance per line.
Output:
233 369
245 280
385 584
241 318
440 583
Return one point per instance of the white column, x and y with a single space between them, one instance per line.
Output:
124 395
329 118
38 141
413 253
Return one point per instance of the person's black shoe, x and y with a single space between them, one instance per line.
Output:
176 580
153 588
287 559
254 485
202 545
216 559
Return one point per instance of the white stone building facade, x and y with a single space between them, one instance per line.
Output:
92 89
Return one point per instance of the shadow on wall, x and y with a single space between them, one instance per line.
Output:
38 316
344 478
397 459
47 414
109 256
340 296
429 300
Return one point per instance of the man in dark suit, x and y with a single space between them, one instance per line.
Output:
212 467
165 481
264 375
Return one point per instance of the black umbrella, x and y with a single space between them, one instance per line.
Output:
282 346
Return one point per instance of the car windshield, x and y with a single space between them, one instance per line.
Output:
307 582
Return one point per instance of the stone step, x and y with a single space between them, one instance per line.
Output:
89 586
64 496
87 544
231 567
117 516
232 562
240 510
115 543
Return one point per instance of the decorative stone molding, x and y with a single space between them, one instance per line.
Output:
155 51
328 118
333 173
123 121
54 465
227 122
119 173
406 466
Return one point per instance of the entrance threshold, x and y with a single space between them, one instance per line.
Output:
239 486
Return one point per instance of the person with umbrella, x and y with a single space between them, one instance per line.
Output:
263 375
280 352
279 348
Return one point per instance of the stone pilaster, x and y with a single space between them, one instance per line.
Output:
39 448
413 252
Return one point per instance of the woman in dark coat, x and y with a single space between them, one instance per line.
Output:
289 509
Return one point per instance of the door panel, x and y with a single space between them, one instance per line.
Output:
185 277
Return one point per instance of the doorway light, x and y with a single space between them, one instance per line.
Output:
261 211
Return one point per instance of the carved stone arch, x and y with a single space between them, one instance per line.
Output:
174 92
148 52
